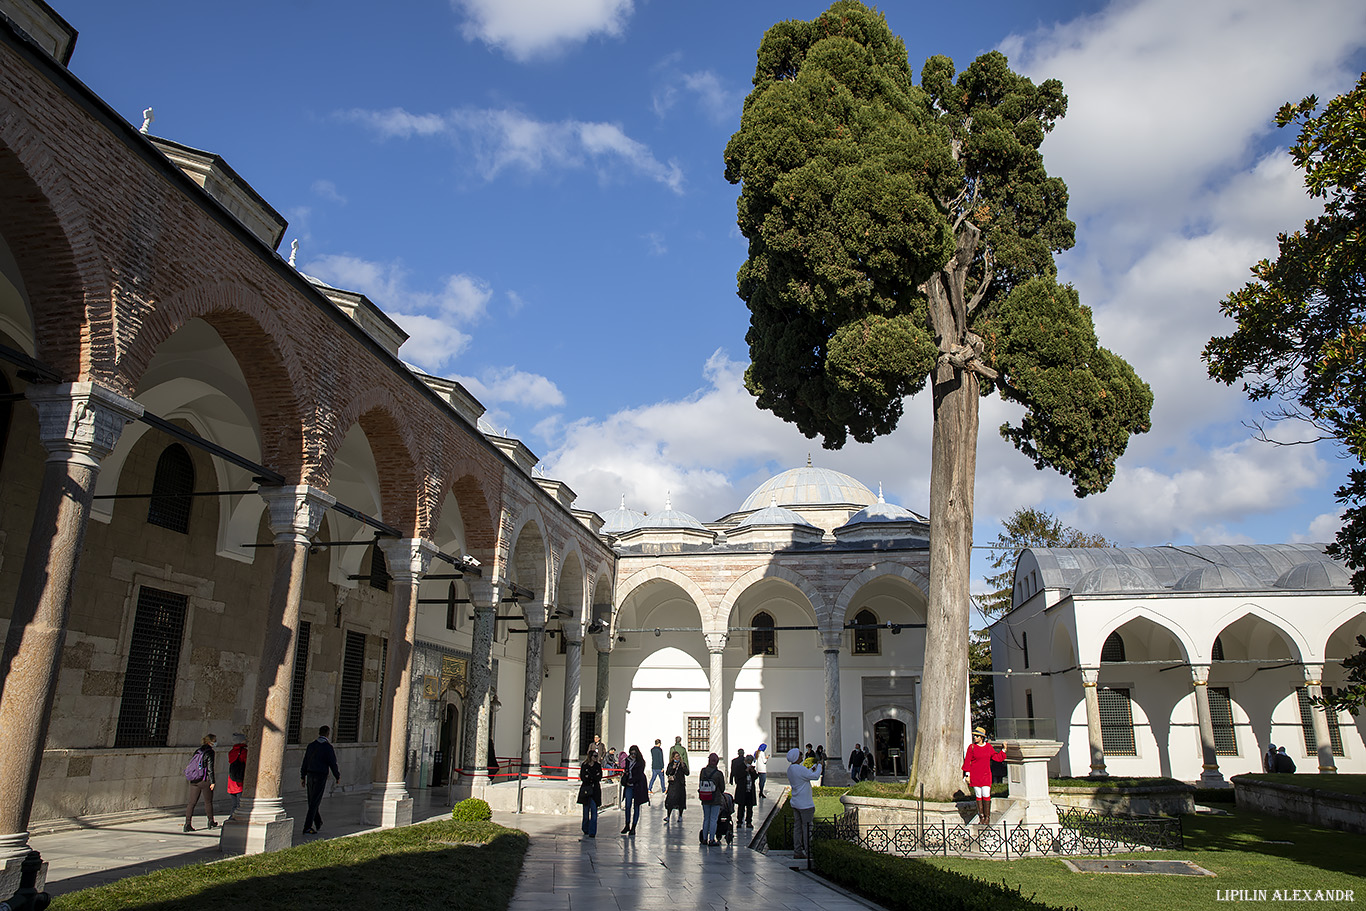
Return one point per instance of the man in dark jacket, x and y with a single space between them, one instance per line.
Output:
856 764
737 767
319 760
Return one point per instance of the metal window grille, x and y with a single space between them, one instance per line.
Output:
763 641
379 569
1221 714
353 672
1217 652
699 733
587 720
1113 649
787 734
452 609
294 732
1029 704
171 486
379 703
866 641
1311 743
1116 722
153 659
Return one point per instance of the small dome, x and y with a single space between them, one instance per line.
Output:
1119 577
773 514
1315 576
1216 577
809 487
669 517
615 521
882 511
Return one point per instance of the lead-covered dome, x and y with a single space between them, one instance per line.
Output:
1315 576
809 487
1218 577
615 521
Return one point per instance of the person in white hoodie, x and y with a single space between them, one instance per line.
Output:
799 777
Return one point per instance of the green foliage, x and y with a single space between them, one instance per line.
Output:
1301 336
1026 527
1349 698
472 809
981 684
903 884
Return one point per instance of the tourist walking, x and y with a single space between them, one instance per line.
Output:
319 759
711 784
737 767
676 798
590 793
977 770
820 760
746 794
799 778
761 766
200 775
635 789
237 769
597 746
657 767
856 764
679 750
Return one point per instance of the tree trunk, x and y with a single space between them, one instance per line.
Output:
944 693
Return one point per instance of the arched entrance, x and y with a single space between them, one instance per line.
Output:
447 746
889 748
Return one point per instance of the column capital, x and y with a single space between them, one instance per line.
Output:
1313 674
831 639
80 422
603 642
295 512
409 559
716 642
1090 676
536 614
1200 675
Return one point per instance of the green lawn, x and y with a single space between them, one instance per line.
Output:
1336 783
1097 784
436 865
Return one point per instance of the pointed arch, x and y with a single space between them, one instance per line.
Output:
917 580
1297 640
1089 654
771 571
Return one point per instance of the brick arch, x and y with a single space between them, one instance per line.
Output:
641 578
45 227
476 512
851 589
256 337
531 516
771 571
393 447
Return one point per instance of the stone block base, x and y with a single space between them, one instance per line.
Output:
246 837
389 814
10 873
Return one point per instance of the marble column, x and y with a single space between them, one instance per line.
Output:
389 805
479 699
535 676
1313 683
1210 776
1090 678
573 704
78 425
716 648
835 772
602 695
260 824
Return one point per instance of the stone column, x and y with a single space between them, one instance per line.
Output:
535 676
78 425
389 805
602 695
294 514
1210 776
835 772
573 703
1313 682
481 679
716 647
1090 677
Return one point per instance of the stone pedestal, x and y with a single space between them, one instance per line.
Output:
259 826
388 806
12 868
1027 764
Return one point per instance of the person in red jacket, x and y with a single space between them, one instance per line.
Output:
977 770
237 769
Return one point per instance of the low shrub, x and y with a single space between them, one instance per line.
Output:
472 810
1109 784
904 884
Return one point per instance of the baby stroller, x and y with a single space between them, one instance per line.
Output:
724 824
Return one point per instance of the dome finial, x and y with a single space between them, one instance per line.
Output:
879 493
772 500
668 500
808 460
623 501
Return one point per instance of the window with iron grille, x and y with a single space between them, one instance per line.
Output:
1024 646
867 639
171 488
699 734
353 672
1029 703
1116 721
379 569
1217 652
1221 714
153 659
452 609
1311 743
379 703
787 734
1113 649
586 722
294 732
762 640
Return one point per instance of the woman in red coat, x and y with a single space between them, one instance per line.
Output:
977 770
237 769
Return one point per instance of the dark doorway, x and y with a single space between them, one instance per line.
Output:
889 747
446 746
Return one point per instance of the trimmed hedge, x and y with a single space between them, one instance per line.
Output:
905 884
472 810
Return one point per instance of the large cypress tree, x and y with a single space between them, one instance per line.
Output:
901 235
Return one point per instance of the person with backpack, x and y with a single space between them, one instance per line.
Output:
200 775
711 784
319 759
237 769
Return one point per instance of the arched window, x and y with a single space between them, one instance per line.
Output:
1217 652
171 489
762 640
379 569
866 634
1113 649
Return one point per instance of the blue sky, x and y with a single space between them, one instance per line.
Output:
533 188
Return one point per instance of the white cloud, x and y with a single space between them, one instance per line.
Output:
432 343
718 103
1322 530
512 386
501 140
328 190
526 29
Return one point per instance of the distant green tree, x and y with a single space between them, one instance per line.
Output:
1301 336
902 236
1026 527
981 684
1349 698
